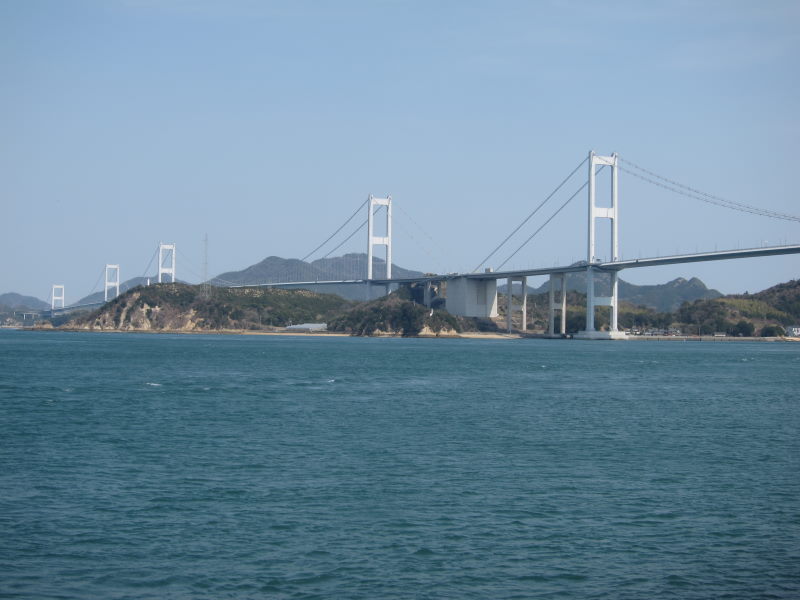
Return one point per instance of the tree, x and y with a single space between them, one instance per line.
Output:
743 329
772 331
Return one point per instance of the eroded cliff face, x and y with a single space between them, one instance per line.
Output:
133 314
182 307
444 332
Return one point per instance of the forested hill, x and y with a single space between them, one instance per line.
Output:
773 310
784 297
181 307
13 301
663 297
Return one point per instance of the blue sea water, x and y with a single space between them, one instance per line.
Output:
165 466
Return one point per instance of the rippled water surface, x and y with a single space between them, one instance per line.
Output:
158 466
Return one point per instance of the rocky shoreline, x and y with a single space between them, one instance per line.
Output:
450 334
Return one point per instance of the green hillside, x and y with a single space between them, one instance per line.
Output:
784 297
663 297
769 312
12 301
765 313
397 314
185 307
181 307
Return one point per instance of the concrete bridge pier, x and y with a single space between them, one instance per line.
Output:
559 303
468 297
511 308
592 301
427 294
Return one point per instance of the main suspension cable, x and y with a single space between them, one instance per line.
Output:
343 225
560 208
695 194
97 283
147 268
349 237
418 226
188 265
528 218
434 260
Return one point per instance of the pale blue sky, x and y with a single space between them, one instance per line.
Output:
265 124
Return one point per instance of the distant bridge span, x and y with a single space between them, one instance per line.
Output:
576 268
488 308
475 294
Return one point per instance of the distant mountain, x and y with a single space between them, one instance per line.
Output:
123 287
16 301
275 269
665 297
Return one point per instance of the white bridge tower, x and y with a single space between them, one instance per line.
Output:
112 281
57 295
166 261
373 240
598 212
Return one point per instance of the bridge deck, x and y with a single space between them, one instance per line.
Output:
646 262
600 266
577 268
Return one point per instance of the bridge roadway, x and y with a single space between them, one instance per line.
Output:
49 312
645 262
576 268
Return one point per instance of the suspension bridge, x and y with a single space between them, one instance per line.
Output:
475 293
